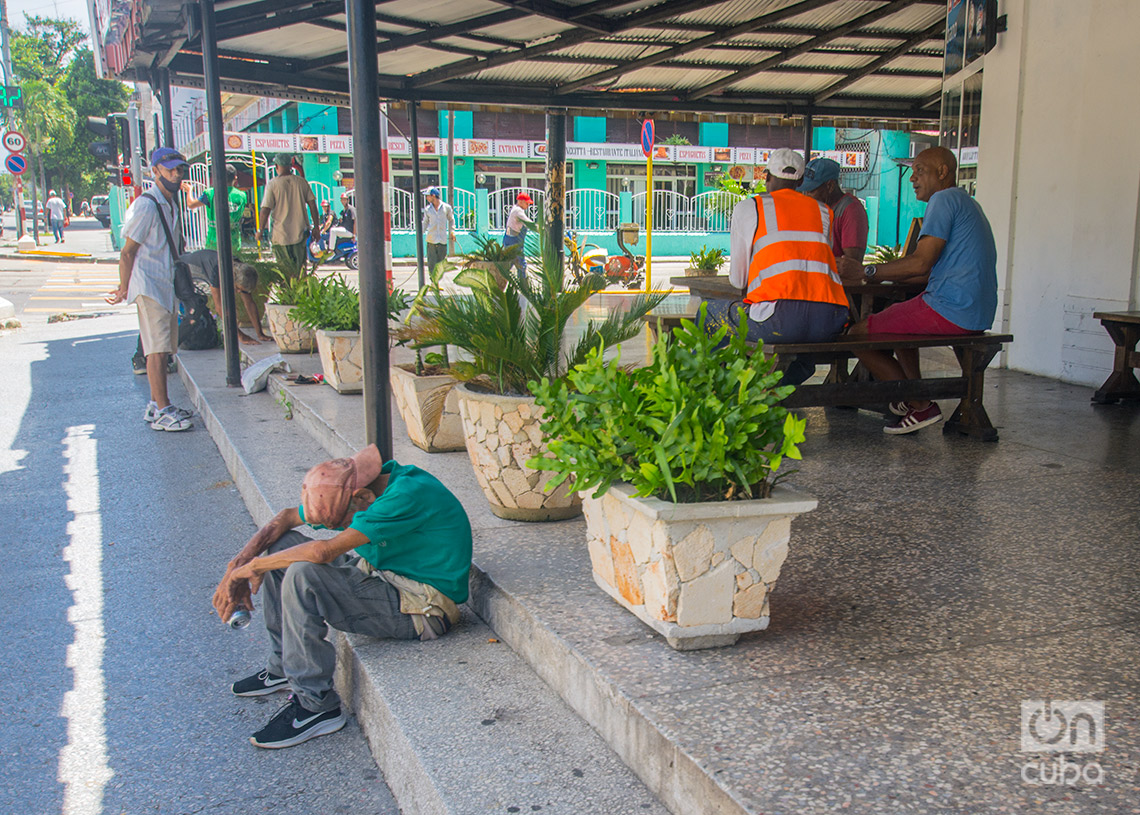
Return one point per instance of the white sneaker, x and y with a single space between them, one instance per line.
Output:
172 419
152 412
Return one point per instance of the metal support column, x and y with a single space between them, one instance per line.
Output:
364 93
809 135
417 191
556 180
167 107
221 190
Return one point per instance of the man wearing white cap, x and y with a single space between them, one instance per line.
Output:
781 258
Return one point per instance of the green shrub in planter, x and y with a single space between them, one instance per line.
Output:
329 303
291 291
707 260
699 423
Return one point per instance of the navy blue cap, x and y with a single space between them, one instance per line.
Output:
433 191
818 172
167 157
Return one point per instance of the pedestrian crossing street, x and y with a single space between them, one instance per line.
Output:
75 290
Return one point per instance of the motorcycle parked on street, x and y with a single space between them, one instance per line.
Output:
343 248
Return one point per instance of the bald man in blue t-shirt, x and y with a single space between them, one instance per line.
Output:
957 259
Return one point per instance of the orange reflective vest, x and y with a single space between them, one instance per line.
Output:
791 251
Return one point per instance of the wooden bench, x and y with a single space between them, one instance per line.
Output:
1124 328
973 351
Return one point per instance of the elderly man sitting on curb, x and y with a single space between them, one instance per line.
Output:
957 258
396 570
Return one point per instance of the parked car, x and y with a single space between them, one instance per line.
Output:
28 215
101 209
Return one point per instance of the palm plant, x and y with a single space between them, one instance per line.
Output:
514 330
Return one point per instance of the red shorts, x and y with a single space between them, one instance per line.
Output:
912 316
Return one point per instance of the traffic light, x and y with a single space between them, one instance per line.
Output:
126 177
105 149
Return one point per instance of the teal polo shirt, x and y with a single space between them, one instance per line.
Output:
418 529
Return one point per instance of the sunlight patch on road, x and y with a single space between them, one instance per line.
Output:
83 765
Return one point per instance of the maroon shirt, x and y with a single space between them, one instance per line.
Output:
849 226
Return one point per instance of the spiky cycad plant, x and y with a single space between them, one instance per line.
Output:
514 331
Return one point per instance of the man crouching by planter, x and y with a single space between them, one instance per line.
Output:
396 570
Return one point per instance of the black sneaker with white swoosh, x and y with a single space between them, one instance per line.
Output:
293 724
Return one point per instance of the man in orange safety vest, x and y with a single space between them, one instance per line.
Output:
780 256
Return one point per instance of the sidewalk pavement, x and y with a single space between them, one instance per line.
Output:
941 583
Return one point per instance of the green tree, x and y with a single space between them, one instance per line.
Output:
44 49
47 121
57 72
73 166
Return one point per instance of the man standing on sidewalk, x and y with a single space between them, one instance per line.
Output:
286 198
397 570
57 214
439 228
146 278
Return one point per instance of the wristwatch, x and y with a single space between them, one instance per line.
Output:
870 271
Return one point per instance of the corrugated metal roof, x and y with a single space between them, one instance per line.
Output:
525 49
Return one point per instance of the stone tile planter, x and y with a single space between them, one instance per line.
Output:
342 359
502 434
417 397
693 271
698 574
291 336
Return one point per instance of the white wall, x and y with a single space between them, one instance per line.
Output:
1059 178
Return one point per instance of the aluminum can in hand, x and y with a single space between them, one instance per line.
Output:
239 619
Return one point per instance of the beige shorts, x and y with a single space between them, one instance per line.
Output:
157 327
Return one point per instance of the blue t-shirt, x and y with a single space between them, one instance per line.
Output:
963 283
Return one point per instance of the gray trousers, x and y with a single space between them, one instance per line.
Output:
301 602
436 253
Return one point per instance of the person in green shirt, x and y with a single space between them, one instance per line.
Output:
397 570
237 201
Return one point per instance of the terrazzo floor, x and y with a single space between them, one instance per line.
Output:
941 582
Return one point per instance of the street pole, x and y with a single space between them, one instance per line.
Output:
167 108
221 191
417 192
368 172
9 115
451 158
556 181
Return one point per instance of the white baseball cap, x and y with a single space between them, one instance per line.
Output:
786 163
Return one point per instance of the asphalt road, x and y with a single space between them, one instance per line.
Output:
116 672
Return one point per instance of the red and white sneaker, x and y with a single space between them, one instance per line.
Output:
915 420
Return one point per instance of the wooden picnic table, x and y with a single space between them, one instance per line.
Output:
1124 328
865 297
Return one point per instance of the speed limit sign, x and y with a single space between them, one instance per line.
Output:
14 141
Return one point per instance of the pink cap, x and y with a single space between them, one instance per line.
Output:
328 487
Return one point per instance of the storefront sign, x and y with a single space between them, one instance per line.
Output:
520 150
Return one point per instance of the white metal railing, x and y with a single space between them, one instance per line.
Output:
403 206
592 210
463 208
711 211
673 212
500 203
